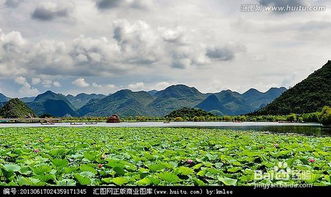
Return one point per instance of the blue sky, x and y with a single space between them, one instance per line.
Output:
101 46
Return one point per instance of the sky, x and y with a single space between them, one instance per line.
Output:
102 46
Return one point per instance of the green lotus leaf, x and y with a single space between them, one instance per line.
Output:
92 156
144 181
228 181
169 177
120 180
185 170
11 167
60 163
82 180
88 168
66 182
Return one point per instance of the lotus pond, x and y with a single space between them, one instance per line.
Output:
158 156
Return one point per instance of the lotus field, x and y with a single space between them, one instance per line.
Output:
160 156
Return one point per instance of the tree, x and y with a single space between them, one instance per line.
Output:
178 119
196 119
188 113
291 118
311 117
325 116
227 118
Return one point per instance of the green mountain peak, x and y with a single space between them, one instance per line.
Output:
15 108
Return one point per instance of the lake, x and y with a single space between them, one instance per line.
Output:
314 129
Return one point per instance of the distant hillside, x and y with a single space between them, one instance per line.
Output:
176 97
54 104
310 95
228 102
15 108
211 103
123 102
3 98
152 92
257 99
27 99
49 95
82 99
233 103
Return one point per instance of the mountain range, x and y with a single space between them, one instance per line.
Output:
228 102
152 103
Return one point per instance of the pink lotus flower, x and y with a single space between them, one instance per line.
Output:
100 165
311 160
189 161
36 150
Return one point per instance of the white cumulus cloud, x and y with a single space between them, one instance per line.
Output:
137 86
80 82
26 89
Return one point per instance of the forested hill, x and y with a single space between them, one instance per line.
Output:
15 108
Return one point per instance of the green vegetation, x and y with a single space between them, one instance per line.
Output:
308 96
325 116
155 156
53 104
15 108
176 97
124 103
188 114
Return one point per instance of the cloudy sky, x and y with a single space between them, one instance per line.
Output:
102 46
